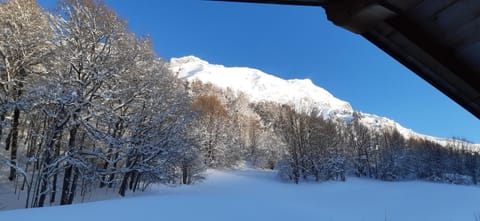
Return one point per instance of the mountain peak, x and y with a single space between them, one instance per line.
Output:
305 81
302 94
260 86
187 59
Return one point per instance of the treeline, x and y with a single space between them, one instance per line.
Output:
304 146
325 149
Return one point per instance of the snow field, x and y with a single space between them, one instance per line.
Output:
259 195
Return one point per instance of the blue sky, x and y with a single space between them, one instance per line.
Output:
297 42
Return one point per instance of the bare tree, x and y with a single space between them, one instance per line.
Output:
24 46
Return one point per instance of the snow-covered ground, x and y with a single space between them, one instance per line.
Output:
258 195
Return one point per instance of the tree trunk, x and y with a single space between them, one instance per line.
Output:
71 195
67 178
123 186
103 180
108 178
66 185
112 175
133 178
55 176
185 175
46 173
8 140
44 176
137 181
43 188
14 145
2 119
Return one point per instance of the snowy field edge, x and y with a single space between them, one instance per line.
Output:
248 194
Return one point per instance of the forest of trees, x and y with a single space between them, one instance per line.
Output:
86 104
321 149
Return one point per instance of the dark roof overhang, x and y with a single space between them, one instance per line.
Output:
439 40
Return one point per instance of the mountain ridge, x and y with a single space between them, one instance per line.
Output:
260 86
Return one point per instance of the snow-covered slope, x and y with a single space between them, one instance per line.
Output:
259 195
260 86
300 93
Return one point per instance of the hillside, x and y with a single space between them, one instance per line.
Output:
302 94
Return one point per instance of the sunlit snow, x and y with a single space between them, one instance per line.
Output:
258 85
300 93
258 195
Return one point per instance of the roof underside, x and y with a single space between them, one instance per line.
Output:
439 40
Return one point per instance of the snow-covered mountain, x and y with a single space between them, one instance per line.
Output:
300 93
260 86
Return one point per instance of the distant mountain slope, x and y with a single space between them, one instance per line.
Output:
300 93
260 86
